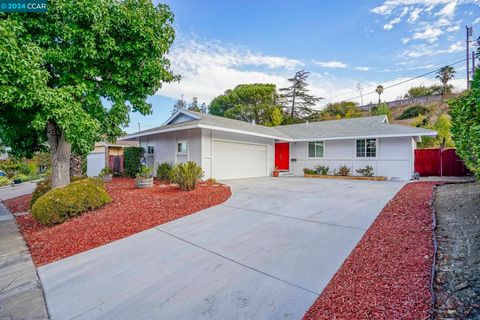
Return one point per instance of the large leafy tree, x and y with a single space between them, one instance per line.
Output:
247 102
465 112
298 102
445 74
57 67
337 110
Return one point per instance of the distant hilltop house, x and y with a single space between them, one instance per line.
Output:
405 102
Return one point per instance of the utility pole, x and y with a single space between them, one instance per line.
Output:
469 34
360 88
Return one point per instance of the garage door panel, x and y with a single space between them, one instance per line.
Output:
232 160
95 164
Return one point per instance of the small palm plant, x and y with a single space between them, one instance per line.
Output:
186 175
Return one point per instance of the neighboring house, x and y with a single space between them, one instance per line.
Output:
107 154
231 149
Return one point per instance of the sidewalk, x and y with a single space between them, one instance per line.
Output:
9 192
21 295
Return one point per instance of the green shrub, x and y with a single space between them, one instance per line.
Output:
144 173
20 176
105 171
42 187
342 171
309 171
4 181
77 178
465 112
186 175
60 204
32 168
164 171
322 170
132 157
366 172
412 112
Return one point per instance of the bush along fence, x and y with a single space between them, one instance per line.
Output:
342 172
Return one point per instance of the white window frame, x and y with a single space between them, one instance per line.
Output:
182 153
308 149
365 148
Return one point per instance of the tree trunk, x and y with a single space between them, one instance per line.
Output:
60 151
76 162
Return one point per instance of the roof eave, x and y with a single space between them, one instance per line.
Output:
418 134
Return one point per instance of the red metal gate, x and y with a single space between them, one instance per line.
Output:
116 163
435 162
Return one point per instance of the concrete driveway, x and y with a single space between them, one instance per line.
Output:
267 253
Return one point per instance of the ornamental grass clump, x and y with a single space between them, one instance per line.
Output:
365 172
60 204
186 175
322 170
343 171
164 171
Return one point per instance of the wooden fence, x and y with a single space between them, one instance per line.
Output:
437 162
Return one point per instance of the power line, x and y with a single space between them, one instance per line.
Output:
404 81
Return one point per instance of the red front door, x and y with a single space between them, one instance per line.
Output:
282 155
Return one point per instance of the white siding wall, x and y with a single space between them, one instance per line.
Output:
207 140
165 146
394 157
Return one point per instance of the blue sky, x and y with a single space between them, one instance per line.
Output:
220 44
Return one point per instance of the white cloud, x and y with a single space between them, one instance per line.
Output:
433 18
208 68
414 15
429 34
476 21
448 10
390 25
417 51
453 29
330 64
362 68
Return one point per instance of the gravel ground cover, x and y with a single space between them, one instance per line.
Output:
388 274
457 280
132 210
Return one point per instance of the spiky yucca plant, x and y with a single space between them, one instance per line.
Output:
186 175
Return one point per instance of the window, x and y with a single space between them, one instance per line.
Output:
366 148
150 149
182 147
315 149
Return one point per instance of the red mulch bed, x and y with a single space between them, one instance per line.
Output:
132 210
19 204
387 276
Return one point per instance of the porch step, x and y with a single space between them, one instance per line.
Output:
285 174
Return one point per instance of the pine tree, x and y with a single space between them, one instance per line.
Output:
297 101
179 105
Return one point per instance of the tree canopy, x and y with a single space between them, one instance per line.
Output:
297 101
465 112
422 91
337 110
249 102
58 66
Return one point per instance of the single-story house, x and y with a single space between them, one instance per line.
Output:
231 149
106 154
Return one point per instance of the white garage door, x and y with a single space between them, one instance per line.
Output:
234 160
95 163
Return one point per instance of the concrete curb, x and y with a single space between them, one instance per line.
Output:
21 294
